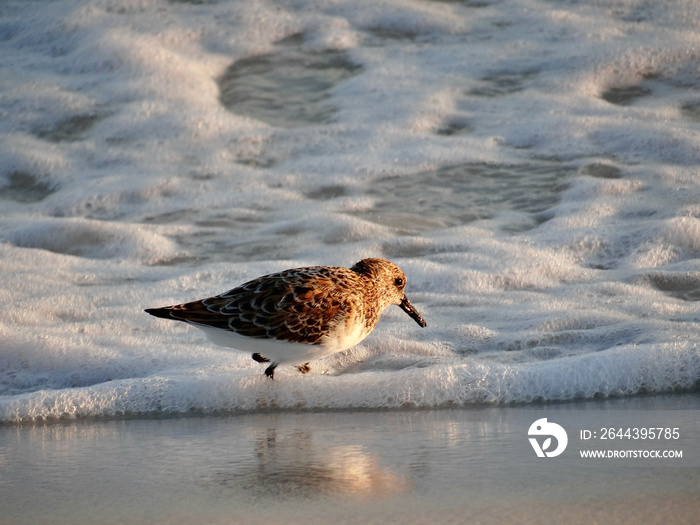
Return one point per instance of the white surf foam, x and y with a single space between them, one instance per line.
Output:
569 270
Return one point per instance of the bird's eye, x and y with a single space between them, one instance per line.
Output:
398 281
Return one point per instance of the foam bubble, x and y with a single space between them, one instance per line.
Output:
635 369
91 239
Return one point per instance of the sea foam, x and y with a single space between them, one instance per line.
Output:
531 167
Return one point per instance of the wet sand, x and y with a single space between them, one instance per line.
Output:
470 465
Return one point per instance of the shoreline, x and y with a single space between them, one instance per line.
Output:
627 402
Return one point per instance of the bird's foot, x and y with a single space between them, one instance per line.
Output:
270 370
304 368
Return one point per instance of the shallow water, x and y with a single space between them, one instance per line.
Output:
288 87
532 166
451 466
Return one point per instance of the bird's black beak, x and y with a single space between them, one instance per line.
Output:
407 307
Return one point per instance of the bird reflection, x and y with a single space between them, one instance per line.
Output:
293 465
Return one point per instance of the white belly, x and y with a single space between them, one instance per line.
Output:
283 351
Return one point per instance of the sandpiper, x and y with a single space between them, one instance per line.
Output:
299 315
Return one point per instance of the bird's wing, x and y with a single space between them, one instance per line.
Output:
296 306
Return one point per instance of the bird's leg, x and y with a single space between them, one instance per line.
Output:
259 358
270 370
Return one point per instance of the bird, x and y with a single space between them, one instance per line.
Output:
301 314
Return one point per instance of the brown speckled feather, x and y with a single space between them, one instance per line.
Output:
294 305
